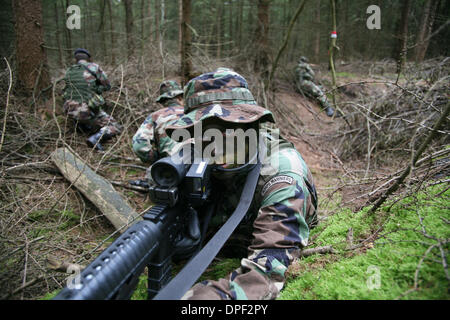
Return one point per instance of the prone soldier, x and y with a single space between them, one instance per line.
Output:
305 84
285 202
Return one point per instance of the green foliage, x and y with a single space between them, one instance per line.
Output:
396 255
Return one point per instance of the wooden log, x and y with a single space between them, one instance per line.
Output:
94 187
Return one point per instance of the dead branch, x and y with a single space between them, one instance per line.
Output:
321 250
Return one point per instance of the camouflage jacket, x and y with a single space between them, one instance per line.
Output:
85 82
304 72
283 211
151 141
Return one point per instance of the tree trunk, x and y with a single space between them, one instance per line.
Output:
426 25
113 37
142 26
157 24
317 33
261 62
6 30
129 23
239 25
403 36
101 27
58 36
30 54
68 33
219 30
332 50
186 39
285 42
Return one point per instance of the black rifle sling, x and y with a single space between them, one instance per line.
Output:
184 280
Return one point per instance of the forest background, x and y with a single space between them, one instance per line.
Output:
387 72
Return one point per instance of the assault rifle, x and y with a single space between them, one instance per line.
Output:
183 193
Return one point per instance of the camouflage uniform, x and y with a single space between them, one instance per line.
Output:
85 82
150 141
284 205
305 83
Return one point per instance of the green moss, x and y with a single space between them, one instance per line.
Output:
386 271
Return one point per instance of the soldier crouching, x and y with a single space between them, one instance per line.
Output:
85 82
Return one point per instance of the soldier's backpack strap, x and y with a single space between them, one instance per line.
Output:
184 280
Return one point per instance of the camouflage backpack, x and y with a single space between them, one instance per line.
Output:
77 88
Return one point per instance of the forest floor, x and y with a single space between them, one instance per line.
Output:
45 219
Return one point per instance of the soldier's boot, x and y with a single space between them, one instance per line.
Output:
329 111
96 139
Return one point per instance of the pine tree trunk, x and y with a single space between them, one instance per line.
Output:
68 33
186 39
31 57
317 33
113 37
261 63
426 25
403 36
6 30
219 30
129 23
58 36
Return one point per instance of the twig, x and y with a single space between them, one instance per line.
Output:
21 288
7 105
321 250
442 119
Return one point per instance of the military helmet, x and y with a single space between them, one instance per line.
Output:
223 94
81 50
169 89
303 59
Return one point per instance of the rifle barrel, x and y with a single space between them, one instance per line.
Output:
115 272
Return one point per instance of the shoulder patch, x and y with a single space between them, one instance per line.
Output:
274 181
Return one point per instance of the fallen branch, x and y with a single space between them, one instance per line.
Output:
442 119
21 288
321 250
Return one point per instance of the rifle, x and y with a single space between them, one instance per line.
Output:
182 191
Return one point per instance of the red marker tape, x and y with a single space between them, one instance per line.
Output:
333 34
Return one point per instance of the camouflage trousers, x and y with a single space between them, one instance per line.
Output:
285 214
310 89
100 120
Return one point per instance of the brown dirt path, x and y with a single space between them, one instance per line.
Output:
311 139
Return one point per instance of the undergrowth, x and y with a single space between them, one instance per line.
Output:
406 261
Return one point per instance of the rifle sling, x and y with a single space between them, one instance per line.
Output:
184 280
